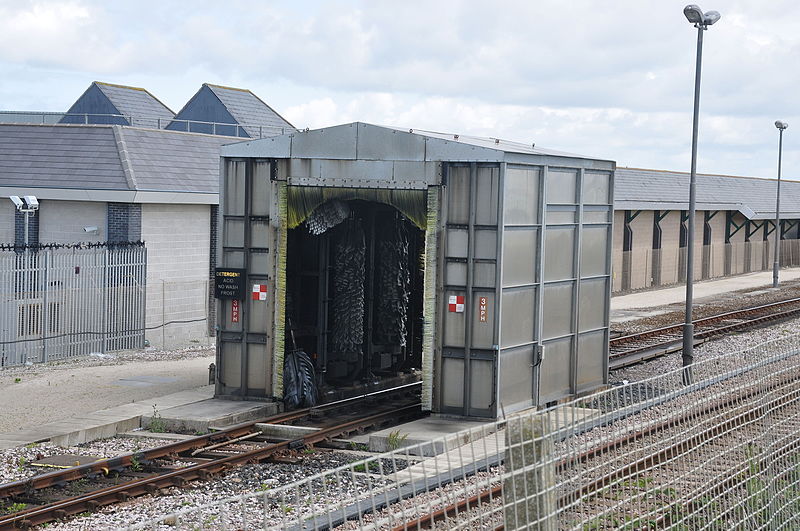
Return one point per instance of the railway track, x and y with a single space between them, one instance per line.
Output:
50 496
627 350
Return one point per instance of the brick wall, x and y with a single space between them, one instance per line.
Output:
19 228
124 222
212 250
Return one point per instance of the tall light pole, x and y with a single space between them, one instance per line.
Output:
777 263
701 21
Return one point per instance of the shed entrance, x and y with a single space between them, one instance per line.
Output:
354 293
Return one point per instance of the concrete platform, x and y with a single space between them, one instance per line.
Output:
203 415
101 424
423 432
653 302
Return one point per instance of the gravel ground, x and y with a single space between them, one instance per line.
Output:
244 480
91 383
14 462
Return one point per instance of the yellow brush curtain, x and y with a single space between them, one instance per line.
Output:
302 200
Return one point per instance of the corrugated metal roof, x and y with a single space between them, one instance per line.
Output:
109 157
138 103
641 189
249 110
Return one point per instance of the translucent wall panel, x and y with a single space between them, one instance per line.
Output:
596 214
233 232
559 249
561 214
457 243
453 382
259 372
487 183
234 188
591 355
261 194
522 196
517 325
481 384
561 186
557 308
592 304
485 244
556 365
596 190
483 331
519 256
454 325
458 195
516 373
594 250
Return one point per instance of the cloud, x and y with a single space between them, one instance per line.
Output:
613 79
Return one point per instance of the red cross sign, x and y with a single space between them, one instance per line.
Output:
456 304
259 292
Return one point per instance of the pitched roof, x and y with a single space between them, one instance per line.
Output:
138 106
109 157
641 189
249 110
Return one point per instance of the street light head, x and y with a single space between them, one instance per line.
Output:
31 202
710 17
17 202
693 14
781 125
696 16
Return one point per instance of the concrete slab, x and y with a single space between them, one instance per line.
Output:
422 432
201 415
648 303
282 431
101 424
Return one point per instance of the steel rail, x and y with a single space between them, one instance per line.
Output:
121 462
669 338
180 477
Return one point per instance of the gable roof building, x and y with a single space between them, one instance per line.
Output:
106 103
219 110
754 198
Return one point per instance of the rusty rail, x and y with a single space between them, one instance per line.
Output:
201 471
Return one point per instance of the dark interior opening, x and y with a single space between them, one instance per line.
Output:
354 289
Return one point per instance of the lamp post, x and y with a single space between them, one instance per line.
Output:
777 263
701 21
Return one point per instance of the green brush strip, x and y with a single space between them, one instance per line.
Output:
280 296
429 297
302 200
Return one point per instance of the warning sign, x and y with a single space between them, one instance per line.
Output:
235 311
456 304
229 283
259 292
483 309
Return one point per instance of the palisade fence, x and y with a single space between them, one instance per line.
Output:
643 268
59 302
719 453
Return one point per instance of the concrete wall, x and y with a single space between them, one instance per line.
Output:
643 263
6 221
63 221
177 241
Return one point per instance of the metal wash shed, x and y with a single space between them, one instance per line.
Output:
510 245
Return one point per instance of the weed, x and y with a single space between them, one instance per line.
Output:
395 440
157 424
16 507
136 464
17 380
358 446
21 462
263 488
309 450
31 445
360 468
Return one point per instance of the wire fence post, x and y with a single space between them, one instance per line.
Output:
530 483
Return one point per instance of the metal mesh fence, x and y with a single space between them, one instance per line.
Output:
58 303
721 453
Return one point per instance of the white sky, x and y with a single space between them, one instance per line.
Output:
613 79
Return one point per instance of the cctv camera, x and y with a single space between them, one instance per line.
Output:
91 229
17 201
32 202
